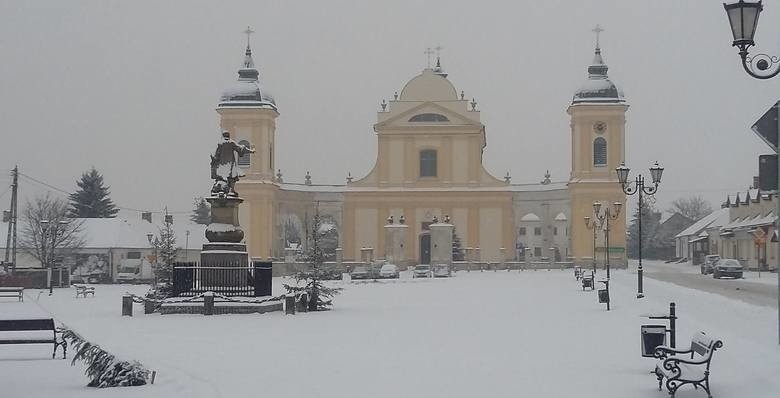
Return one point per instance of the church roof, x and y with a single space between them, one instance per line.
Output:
247 91
598 88
430 85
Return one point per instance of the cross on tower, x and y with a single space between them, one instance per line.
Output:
428 52
597 30
248 32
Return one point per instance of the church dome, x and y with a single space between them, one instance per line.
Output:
430 85
598 88
247 90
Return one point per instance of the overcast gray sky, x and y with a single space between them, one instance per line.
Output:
131 87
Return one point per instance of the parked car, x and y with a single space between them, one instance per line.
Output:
727 267
359 272
441 270
709 261
422 271
389 271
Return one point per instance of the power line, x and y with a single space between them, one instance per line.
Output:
62 191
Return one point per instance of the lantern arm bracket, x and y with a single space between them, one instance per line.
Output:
760 66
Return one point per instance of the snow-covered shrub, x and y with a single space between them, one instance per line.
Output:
103 369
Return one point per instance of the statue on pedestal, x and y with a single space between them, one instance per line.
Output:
224 166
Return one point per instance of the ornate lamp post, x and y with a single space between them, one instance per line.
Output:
604 217
639 187
743 19
592 225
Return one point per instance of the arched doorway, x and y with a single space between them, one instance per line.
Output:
425 248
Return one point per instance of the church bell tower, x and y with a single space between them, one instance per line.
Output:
598 118
248 112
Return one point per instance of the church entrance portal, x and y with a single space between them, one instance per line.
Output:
425 248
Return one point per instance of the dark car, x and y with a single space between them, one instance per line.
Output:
359 272
709 261
727 267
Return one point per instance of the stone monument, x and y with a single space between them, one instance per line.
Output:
224 232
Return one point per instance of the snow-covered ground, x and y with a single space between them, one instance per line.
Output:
498 334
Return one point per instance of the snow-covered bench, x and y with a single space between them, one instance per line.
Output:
31 331
679 368
17 292
83 290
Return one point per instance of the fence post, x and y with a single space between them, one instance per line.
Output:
148 307
208 303
127 305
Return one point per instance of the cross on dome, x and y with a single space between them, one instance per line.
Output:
248 32
428 52
598 29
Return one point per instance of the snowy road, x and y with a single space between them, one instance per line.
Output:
752 289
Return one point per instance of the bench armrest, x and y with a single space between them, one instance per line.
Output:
674 362
663 351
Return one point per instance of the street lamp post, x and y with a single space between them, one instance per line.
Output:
639 187
743 19
592 225
604 217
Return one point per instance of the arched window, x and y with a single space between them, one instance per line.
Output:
429 117
428 163
243 160
600 152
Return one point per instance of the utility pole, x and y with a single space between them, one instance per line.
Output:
10 244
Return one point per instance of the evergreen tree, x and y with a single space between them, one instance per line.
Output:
320 295
165 246
651 220
91 200
201 214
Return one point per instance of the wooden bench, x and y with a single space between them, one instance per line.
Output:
588 281
680 368
83 290
12 292
36 329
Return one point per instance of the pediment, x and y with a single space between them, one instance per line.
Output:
452 117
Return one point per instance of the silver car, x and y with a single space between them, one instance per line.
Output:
422 271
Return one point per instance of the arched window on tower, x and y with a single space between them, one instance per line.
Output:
243 161
428 163
599 151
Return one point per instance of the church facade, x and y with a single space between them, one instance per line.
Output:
429 165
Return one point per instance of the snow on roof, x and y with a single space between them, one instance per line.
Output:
530 217
748 222
122 233
717 218
561 217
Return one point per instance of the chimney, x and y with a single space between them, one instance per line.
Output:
146 215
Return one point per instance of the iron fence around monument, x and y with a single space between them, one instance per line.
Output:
190 279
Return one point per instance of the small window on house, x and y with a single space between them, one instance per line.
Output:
599 151
429 117
243 160
537 252
555 231
537 231
428 163
133 255
521 231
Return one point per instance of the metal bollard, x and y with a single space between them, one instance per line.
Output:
127 305
208 303
289 305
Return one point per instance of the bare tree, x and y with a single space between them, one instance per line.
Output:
693 207
47 232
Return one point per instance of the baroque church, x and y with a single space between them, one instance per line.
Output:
429 166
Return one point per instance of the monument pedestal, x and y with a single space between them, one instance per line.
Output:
224 249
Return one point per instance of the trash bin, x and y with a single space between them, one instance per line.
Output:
652 337
603 296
